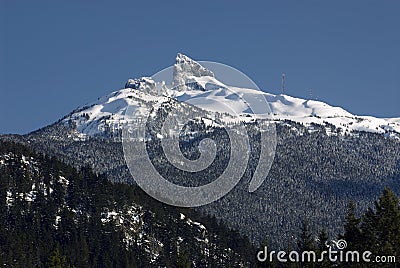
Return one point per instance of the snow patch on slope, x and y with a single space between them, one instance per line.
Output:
196 85
107 113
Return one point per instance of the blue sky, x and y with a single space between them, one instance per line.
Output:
57 55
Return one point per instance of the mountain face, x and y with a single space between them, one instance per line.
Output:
47 206
195 85
324 157
185 68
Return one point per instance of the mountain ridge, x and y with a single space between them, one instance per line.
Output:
316 171
196 85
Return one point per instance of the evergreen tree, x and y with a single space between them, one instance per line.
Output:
71 213
322 240
56 260
306 243
352 231
381 227
183 260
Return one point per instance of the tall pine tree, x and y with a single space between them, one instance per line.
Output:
352 231
381 227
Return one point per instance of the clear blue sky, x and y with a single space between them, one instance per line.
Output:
57 55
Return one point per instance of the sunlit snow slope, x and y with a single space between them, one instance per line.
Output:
204 90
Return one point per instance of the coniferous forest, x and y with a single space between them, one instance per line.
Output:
376 230
199 134
314 175
53 215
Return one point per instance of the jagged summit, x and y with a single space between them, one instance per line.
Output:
145 84
196 85
186 74
185 68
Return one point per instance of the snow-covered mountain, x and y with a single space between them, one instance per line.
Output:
59 204
195 85
311 174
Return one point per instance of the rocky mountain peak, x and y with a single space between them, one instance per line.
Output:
185 68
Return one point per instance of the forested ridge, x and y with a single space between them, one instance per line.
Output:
313 175
53 214
376 230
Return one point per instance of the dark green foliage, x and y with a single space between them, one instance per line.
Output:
313 174
306 242
183 260
352 232
381 226
57 261
52 215
321 246
377 231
